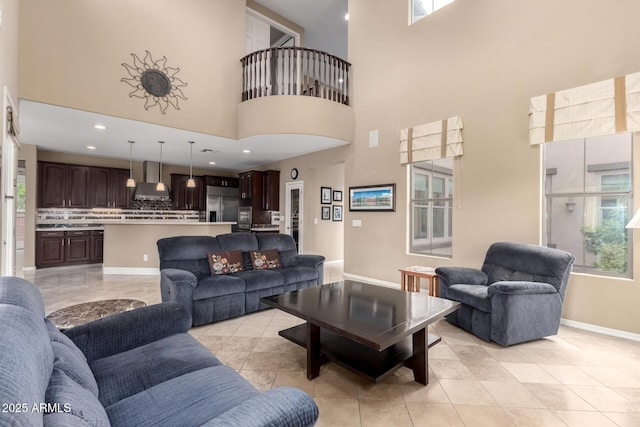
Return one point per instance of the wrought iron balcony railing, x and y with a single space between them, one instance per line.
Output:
295 71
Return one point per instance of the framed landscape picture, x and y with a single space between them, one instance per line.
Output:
326 212
325 195
374 198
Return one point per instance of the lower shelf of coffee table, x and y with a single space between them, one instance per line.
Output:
372 364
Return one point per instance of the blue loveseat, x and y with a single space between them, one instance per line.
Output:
517 296
138 368
186 277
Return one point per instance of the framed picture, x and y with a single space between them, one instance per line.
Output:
337 196
374 198
337 212
325 195
326 212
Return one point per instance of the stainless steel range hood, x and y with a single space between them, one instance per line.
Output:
146 190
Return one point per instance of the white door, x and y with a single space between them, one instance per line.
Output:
258 34
294 224
8 174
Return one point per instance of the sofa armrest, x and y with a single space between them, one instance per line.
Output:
520 288
462 276
123 331
306 260
282 407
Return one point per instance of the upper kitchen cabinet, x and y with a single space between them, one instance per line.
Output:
251 189
271 190
108 188
63 186
221 181
184 197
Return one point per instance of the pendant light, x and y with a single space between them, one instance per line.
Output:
191 183
160 186
130 182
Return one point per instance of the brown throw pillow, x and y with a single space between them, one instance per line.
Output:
225 262
265 259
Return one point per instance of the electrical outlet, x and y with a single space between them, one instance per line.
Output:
145 257
356 223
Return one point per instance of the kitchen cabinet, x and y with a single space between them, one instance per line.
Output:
271 190
187 198
108 188
63 186
221 181
97 246
57 248
251 189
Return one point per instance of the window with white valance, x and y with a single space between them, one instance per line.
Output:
597 109
431 141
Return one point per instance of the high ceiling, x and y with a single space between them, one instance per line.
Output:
71 131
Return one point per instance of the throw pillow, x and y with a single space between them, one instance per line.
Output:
265 259
225 262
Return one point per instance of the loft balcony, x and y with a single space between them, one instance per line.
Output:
293 90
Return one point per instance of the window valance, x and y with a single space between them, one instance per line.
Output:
596 109
431 141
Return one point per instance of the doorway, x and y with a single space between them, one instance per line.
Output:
294 224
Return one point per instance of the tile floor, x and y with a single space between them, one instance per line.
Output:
576 378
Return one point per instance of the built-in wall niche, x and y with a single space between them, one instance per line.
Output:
263 33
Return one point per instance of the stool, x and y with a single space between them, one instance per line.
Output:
410 279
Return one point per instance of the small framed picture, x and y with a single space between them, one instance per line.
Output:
337 196
326 212
337 212
325 195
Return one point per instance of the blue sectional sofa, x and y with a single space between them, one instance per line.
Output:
186 274
138 368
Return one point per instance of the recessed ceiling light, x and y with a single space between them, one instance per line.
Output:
346 17
90 147
212 163
246 151
100 127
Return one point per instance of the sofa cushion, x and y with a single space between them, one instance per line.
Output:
189 400
298 274
265 259
475 296
284 243
73 404
70 360
225 262
187 253
125 374
218 285
261 279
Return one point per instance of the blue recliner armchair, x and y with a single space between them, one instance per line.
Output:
516 297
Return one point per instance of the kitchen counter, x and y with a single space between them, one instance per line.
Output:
274 229
130 247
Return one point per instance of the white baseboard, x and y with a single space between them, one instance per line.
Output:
131 271
29 268
566 322
334 262
600 330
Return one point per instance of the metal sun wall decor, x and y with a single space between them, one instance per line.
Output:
154 82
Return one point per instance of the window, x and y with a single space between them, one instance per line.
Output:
430 207
588 190
422 8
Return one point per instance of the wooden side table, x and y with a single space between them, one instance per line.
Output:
410 279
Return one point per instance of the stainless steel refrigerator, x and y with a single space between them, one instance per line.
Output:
222 204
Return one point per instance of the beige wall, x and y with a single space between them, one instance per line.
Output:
71 53
321 169
9 47
481 61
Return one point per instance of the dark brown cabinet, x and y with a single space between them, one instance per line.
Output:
63 186
187 198
271 190
221 181
57 248
251 189
108 188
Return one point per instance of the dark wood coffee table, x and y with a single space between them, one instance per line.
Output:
371 330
